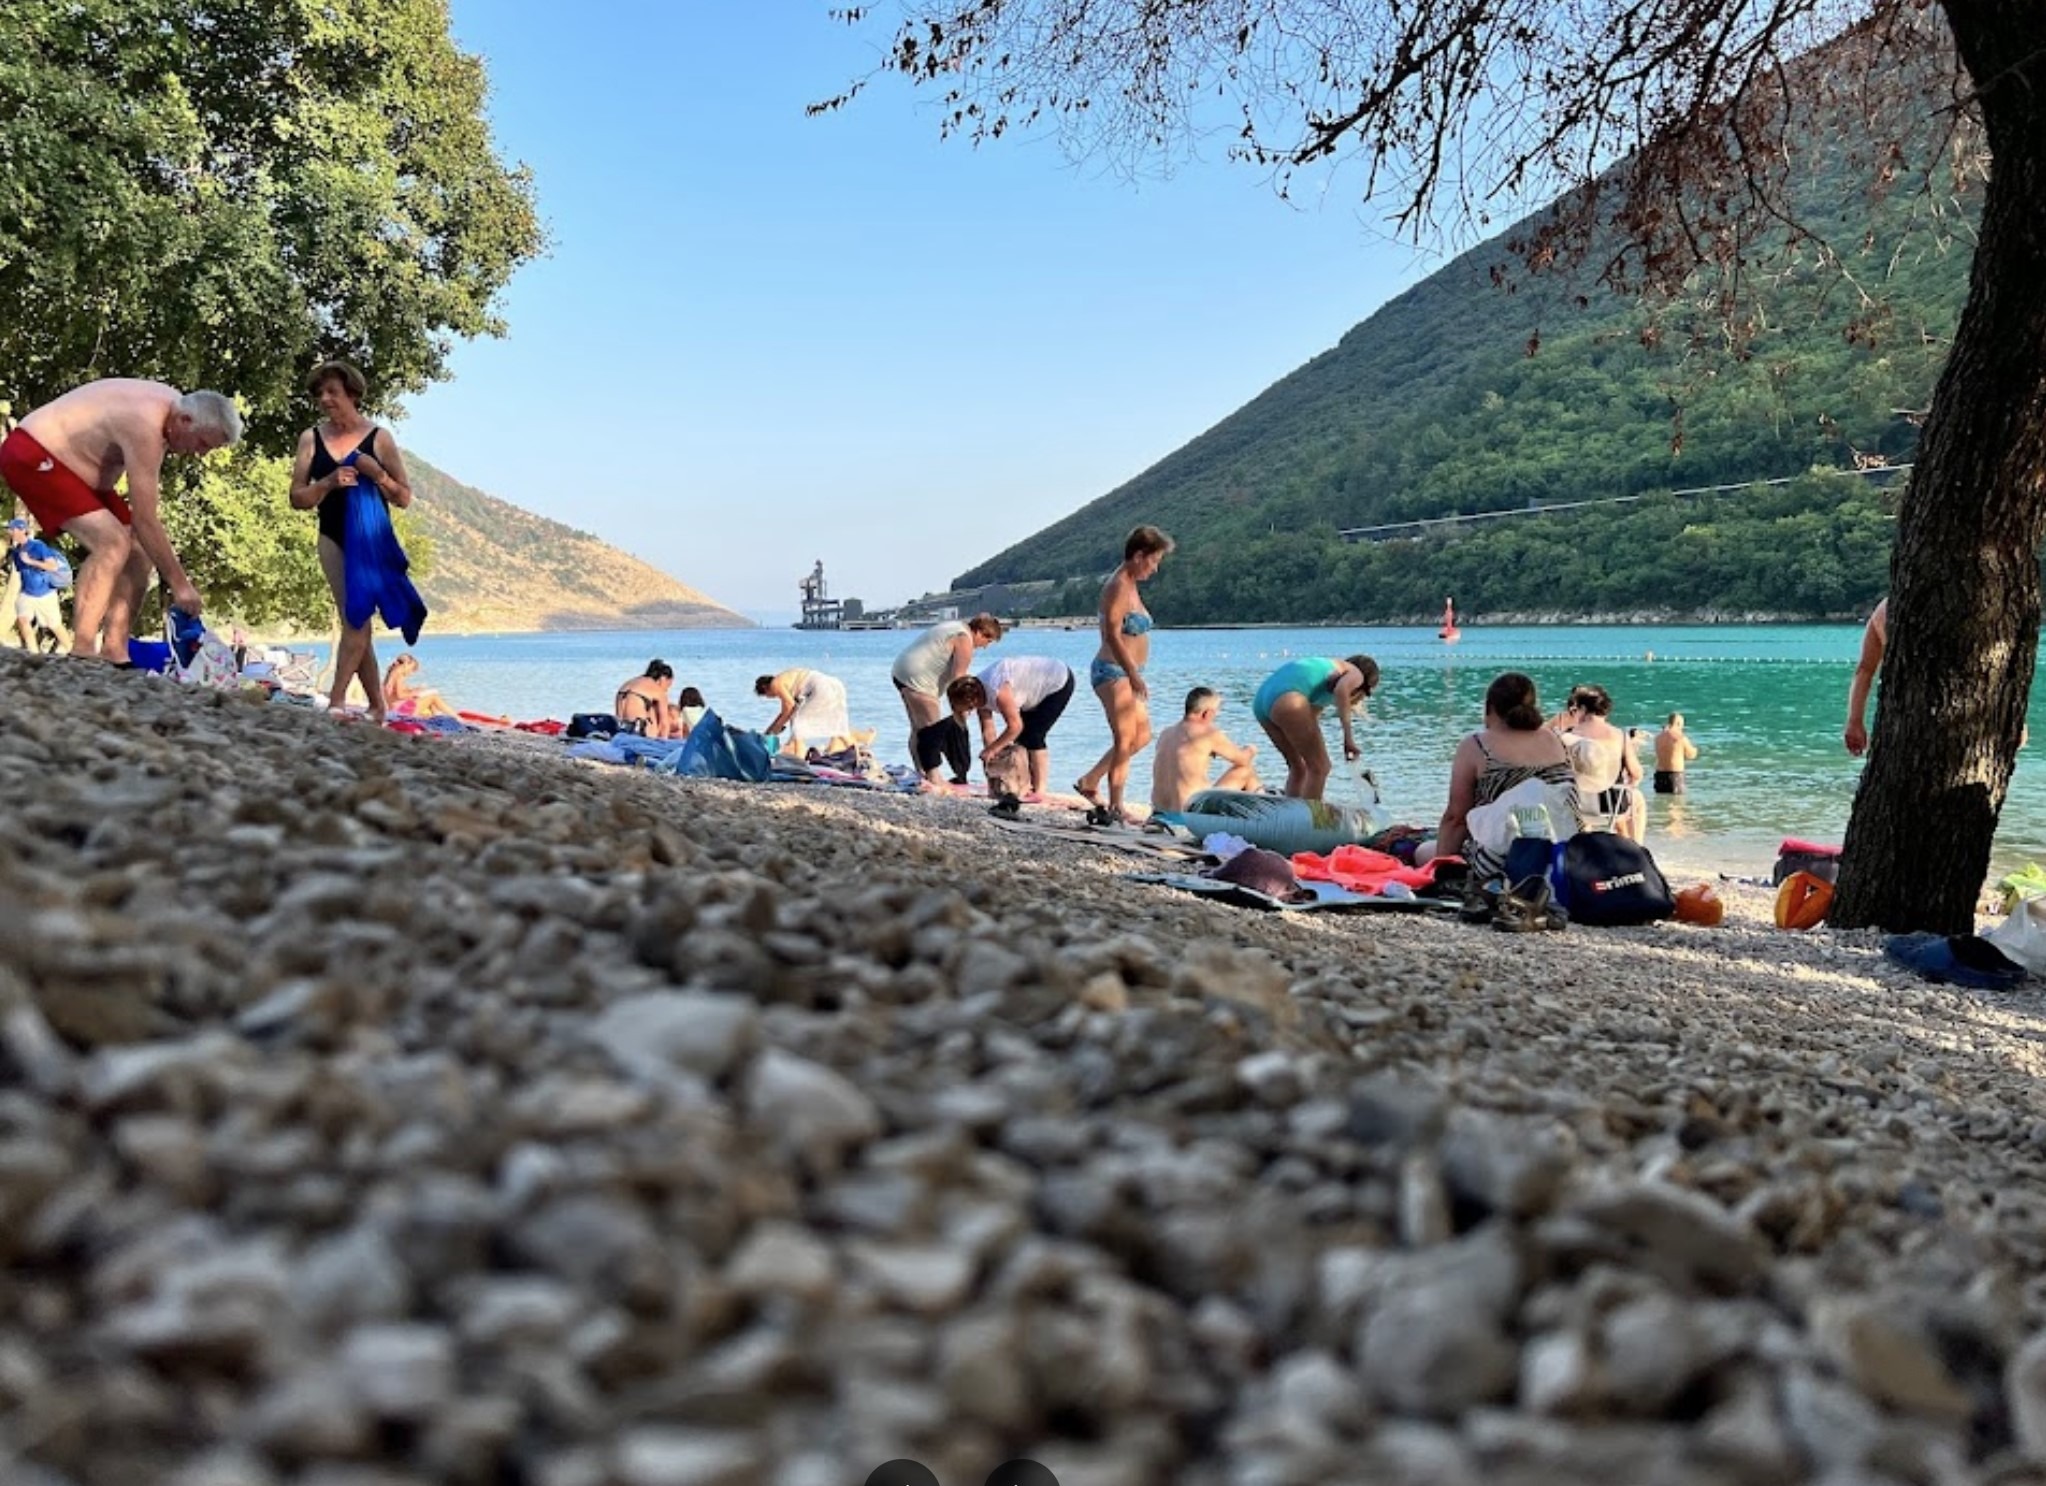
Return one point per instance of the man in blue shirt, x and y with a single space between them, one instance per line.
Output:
38 604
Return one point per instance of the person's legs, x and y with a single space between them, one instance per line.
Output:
1129 731
1238 776
108 545
130 588
52 619
923 711
350 645
372 679
24 625
1040 768
1296 728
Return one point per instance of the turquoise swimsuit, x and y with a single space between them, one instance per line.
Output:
1313 676
1105 672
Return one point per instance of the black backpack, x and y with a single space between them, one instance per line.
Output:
1607 879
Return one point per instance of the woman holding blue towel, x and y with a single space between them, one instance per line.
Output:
321 481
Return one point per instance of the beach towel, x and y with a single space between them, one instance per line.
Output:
1325 896
376 566
1360 869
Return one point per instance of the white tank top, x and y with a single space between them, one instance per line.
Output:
1031 678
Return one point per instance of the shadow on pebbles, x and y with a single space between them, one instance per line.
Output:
381 1110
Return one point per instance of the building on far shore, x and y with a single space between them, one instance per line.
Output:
820 610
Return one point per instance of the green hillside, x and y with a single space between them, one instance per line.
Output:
1464 395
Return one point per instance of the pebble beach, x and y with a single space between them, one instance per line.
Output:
393 1111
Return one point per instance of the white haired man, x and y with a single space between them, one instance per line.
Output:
64 461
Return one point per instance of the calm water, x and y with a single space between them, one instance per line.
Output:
1764 705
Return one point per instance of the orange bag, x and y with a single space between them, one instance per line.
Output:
1699 904
1802 901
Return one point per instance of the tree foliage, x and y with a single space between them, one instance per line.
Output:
224 192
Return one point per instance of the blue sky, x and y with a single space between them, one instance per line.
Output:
762 339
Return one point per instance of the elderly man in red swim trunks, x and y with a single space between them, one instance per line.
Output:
64 461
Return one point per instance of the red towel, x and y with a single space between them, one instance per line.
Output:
1359 869
550 727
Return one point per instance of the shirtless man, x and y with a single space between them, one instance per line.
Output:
64 462
1179 769
1673 750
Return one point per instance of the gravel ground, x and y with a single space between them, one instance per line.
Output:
381 1110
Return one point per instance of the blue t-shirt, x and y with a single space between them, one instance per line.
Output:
35 582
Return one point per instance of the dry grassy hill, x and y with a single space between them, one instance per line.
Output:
494 566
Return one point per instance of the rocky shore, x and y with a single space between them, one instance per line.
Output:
379 1110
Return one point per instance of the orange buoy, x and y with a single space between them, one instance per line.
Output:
1802 901
1699 904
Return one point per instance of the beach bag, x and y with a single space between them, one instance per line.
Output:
198 656
591 725
60 575
1491 827
715 751
2021 938
1803 856
1607 880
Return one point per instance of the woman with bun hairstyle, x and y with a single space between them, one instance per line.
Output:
1512 747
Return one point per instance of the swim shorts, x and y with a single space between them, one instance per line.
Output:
1669 781
53 493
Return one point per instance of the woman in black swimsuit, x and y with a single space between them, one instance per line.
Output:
641 705
321 481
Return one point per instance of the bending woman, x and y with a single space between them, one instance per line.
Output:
641 705
934 660
1288 707
1511 748
812 709
320 481
1117 674
1030 692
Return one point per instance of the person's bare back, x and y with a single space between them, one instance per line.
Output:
106 429
1179 768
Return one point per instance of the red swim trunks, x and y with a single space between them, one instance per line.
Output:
49 488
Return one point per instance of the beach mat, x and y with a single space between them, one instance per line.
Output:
1327 896
1120 838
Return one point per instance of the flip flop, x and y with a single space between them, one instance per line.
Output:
1091 796
1528 909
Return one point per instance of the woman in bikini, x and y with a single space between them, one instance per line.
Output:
641 705
323 480
404 698
1117 674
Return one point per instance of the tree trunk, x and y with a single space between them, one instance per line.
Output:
1964 579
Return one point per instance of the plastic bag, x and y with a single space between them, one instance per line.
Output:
2021 938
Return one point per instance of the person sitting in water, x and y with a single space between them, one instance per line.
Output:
641 705
812 709
1030 693
1512 748
403 697
1288 707
1179 767
687 712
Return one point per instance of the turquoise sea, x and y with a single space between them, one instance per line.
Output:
1764 704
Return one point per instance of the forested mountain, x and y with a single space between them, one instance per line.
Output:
1490 388
495 566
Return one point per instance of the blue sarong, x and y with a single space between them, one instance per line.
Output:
375 566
